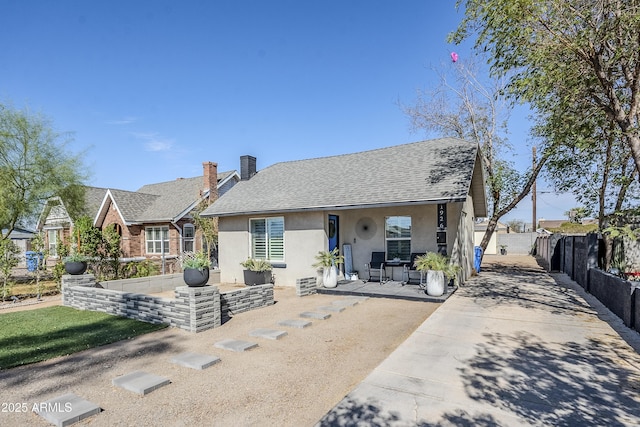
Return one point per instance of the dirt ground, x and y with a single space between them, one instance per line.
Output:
293 381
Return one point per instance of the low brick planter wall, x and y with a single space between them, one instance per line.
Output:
154 284
192 309
618 295
306 286
249 298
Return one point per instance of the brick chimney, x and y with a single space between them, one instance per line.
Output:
247 167
211 180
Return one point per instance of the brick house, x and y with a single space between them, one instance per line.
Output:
154 222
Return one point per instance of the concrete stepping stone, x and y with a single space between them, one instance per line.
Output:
332 308
195 360
235 345
346 302
66 409
270 334
314 315
140 382
295 323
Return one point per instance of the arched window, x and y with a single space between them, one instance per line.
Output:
117 227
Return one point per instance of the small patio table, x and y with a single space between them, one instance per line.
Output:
393 265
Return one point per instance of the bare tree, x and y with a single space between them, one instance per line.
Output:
465 107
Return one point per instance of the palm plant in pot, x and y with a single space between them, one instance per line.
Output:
195 268
328 261
257 271
437 268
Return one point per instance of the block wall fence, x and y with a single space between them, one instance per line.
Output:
192 309
577 256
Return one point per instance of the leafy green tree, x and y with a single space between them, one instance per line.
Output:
576 215
590 157
86 237
111 248
35 165
516 225
556 52
208 227
38 245
8 260
101 246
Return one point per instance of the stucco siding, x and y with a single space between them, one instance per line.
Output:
305 235
462 250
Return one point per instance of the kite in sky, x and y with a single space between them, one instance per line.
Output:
454 57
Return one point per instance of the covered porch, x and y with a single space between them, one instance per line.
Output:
389 289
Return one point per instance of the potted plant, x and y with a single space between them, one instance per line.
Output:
195 268
503 249
75 263
328 261
437 267
257 271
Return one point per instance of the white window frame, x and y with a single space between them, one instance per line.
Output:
393 236
188 239
158 244
272 234
53 245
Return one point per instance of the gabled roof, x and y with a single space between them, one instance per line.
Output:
161 202
434 171
20 234
93 199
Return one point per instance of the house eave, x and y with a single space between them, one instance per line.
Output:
342 207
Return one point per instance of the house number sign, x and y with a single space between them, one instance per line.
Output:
442 216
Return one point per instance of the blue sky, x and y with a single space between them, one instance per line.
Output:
151 89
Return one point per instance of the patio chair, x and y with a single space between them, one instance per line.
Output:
410 269
375 267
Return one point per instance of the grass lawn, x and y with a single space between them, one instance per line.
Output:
36 335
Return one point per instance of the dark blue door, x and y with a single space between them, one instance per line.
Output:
334 230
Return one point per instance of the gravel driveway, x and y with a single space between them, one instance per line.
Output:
293 381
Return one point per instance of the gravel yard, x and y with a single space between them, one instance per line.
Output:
293 381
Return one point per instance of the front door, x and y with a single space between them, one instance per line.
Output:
334 230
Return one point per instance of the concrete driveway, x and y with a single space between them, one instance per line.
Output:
515 346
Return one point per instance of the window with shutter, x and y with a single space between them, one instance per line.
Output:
267 238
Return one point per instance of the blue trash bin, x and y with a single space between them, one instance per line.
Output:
478 258
32 260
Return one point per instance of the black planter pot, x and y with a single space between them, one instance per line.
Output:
75 267
256 277
195 277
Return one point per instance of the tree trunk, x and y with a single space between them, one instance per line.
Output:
634 144
491 227
526 189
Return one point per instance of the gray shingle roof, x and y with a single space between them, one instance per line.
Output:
93 197
163 201
171 198
420 172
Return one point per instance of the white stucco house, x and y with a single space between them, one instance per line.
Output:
418 197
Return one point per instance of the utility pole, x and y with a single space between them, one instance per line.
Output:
533 194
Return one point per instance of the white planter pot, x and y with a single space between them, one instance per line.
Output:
435 283
330 277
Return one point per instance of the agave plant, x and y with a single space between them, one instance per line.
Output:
437 262
328 258
196 260
258 265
